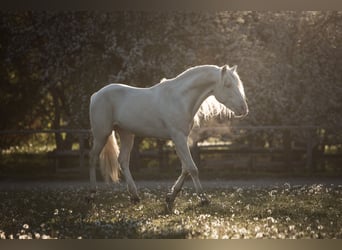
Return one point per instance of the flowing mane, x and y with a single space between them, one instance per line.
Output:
210 107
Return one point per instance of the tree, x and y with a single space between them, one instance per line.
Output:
53 61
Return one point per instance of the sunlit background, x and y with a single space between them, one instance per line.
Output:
290 63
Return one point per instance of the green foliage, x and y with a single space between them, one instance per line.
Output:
51 62
281 212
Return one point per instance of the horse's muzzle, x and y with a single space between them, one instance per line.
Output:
242 114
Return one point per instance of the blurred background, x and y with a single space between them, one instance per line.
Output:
290 63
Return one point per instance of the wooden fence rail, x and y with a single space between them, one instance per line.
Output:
58 154
235 150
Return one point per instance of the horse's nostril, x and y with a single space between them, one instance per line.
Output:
242 112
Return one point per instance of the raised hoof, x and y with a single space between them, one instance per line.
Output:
135 200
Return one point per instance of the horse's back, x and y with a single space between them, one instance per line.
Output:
108 91
135 109
111 95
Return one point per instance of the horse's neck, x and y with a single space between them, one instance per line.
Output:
196 88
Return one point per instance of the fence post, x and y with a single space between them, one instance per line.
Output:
287 148
161 158
82 153
309 153
252 157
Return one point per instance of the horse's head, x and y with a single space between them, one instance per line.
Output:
230 92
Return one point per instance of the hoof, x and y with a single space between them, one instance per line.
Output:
88 199
91 197
169 203
168 208
135 200
204 201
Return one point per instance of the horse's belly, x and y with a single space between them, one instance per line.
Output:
144 128
142 121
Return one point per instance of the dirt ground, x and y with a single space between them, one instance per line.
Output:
207 184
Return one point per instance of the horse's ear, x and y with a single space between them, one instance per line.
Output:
224 69
234 68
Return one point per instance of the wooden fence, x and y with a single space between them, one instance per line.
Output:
83 138
238 147
252 148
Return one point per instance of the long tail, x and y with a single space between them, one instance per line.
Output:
109 164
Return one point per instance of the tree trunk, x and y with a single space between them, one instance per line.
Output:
61 144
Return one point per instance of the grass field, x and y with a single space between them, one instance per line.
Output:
285 211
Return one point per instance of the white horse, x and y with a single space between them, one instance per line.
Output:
167 110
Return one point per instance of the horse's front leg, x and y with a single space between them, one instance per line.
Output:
170 197
127 140
188 167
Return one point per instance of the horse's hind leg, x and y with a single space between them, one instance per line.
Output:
98 144
126 141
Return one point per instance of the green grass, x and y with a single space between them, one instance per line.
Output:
281 212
